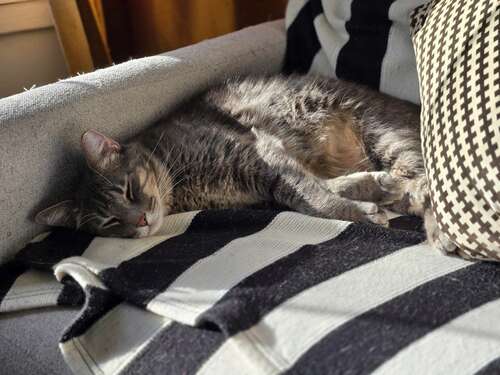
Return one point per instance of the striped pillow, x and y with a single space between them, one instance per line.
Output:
457 44
365 41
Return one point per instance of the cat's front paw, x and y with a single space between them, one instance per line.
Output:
370 213
391 187
436 237
378 187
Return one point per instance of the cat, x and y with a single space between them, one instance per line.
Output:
321 146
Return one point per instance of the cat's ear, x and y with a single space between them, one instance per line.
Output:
100 151
62 214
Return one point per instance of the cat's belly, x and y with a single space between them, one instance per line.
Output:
337 150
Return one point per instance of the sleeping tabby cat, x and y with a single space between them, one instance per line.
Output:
323 147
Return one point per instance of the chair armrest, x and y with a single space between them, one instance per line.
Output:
40 129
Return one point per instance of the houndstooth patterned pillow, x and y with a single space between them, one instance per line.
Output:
457 45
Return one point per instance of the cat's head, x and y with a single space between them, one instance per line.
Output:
119 195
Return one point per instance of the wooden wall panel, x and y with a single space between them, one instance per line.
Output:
95 30
72 37
16 16
116 30
139 28
81 30
256 11
163 25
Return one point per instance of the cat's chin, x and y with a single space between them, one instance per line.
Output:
149 230
141 232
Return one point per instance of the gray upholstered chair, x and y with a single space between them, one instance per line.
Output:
39 151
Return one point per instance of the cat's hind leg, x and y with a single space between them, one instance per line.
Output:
415 200
435 236
294 186
309 195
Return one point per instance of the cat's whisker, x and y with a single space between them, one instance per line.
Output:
171 188
178 182
176 159
88 219
163 176
98 173
178 172
163 179
164 188
165 183
169 175
86 216
180 168
163 165
154 148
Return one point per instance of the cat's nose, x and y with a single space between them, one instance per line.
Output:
142 222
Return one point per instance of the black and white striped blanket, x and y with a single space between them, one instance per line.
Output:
263 292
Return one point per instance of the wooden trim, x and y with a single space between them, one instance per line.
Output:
94 32
24 15
72 37
2 2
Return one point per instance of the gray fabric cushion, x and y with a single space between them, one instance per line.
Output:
29 341
40 129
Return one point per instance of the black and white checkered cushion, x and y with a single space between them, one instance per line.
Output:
457 45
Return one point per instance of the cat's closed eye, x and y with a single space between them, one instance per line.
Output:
111 223
129 192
